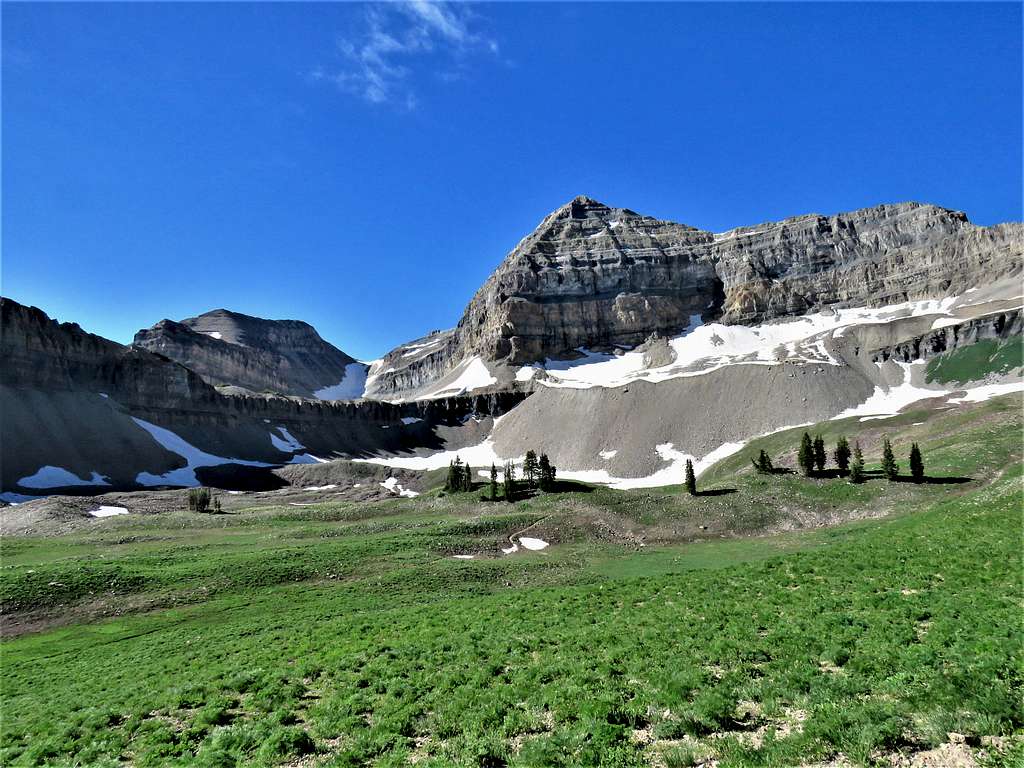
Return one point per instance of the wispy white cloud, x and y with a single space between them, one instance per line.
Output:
399 40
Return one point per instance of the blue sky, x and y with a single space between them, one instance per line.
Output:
365 167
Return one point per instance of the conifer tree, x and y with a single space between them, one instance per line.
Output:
691 479
547 473
455 480
842 455
805 457
494 482
763 463
890 468
467 477
916 464
531 470
509 481
857 468
820 457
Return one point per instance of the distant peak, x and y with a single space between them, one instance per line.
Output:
581 207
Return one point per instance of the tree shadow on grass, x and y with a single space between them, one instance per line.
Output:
928 480
716 492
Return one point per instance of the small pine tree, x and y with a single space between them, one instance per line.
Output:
842 455
531 469
467 477
691 479
916 464
857 468
805 457
216 506
198 499
820 457
890 468
547 473
509 481
763 463
494 482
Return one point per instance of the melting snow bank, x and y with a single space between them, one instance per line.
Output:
463 557
320 487
673 474
481 455
888 401
351 387
392 485
105 511
533 544
56 477
988 391
195 457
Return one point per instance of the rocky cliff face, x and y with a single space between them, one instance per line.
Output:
595 276
281 356
69 400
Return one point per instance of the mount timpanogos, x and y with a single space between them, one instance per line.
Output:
597 326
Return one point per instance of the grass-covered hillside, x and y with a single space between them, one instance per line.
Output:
976 361
655 630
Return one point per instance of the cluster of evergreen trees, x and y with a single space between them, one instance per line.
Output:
812 458
538 472
460 476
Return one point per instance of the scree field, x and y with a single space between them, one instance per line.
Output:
775 621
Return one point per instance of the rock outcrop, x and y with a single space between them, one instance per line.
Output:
597 277
280 356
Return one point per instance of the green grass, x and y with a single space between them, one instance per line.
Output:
976 361
346 635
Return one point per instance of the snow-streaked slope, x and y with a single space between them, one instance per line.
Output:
673 474
351 387
195 457
472 374
703 348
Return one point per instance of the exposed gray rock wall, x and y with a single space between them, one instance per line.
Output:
282 356
594 276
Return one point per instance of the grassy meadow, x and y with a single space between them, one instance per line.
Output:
774 621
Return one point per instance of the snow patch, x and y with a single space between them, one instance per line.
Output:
532 544
606 455
474 455
474 375
319 487
988 391
195 457
105 511
393 485
673 474
463 557
288 445
407 420
351 387
307 458
57 477
888 401
214 334
526 373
